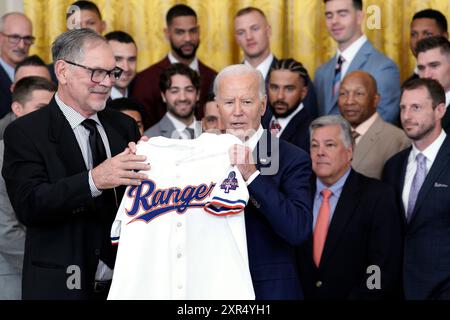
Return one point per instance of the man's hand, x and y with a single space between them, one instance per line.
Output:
132 145
241 156
119 170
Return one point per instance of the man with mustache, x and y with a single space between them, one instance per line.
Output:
16 37
179 87
288 86
420 176
125 52
375 139
183 33
344 21
64 168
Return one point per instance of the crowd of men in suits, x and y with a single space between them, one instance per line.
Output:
363 178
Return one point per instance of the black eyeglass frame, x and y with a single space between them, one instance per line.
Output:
15 39
116 72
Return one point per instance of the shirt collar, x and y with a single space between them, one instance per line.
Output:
264 66
9 70
350 52
285 121
253 140
447 98
74 118
364 127
336 188
193 65
432 150
116 94
179 125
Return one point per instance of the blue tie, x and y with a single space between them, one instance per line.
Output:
419 178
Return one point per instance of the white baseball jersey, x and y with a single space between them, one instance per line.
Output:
181 233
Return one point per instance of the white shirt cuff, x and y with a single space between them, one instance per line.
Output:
94 191
252 177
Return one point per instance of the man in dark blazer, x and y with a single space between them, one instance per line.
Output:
420 176
63 167
252 32
356 247
433 61
278 216
287 87
354 52
15 41
183 33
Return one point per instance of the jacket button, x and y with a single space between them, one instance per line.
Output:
318 284
97 252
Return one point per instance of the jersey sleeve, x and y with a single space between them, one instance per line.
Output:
229 196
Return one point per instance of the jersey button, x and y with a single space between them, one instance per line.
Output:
179 224
180 286
318 284
179 255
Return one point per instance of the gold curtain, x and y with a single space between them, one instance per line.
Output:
298 27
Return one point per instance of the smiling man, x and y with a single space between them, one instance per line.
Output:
375 139
64 166
344 20
16 37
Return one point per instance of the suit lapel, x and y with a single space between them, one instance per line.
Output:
62 135
294 125
114 138
368 141
347 203
330 69
441 162
166 127
446 120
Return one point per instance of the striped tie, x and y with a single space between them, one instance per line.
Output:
337 75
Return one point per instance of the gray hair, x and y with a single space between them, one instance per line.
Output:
332 120
6 15
70 44
241 69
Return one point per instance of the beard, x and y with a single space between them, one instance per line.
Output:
180 53
181 115
288 112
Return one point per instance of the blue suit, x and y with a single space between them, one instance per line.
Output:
426 266
370 60
5 93
278 218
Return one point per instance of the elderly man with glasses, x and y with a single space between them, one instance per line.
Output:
15 41
65 166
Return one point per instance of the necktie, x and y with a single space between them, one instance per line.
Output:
275 127
355 135
95 142
321 228
190 132
419 178
337 75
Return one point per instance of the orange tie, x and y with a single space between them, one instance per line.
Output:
321 228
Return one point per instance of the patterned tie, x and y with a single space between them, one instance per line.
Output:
419 178
337 75
321 228
95 142
275 127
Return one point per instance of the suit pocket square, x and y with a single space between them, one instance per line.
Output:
440 185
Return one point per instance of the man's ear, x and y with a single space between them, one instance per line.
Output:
167 33
163 97
103 27
61 69
16 107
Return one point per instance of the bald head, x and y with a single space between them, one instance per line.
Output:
358 97
15 37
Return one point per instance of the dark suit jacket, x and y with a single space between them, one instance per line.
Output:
426 268
446 120
146 91
278 218
47 183
297 130
5 93
310 101
365 230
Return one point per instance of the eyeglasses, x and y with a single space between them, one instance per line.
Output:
98 75
15 39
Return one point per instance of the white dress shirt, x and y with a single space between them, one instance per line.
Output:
447 98
284 122
350 53
264 66
430 153
193 65
116 94
180 126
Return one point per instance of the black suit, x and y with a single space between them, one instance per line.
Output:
426 268
365 230
310 101
445 122
47 182
5 93
297 130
